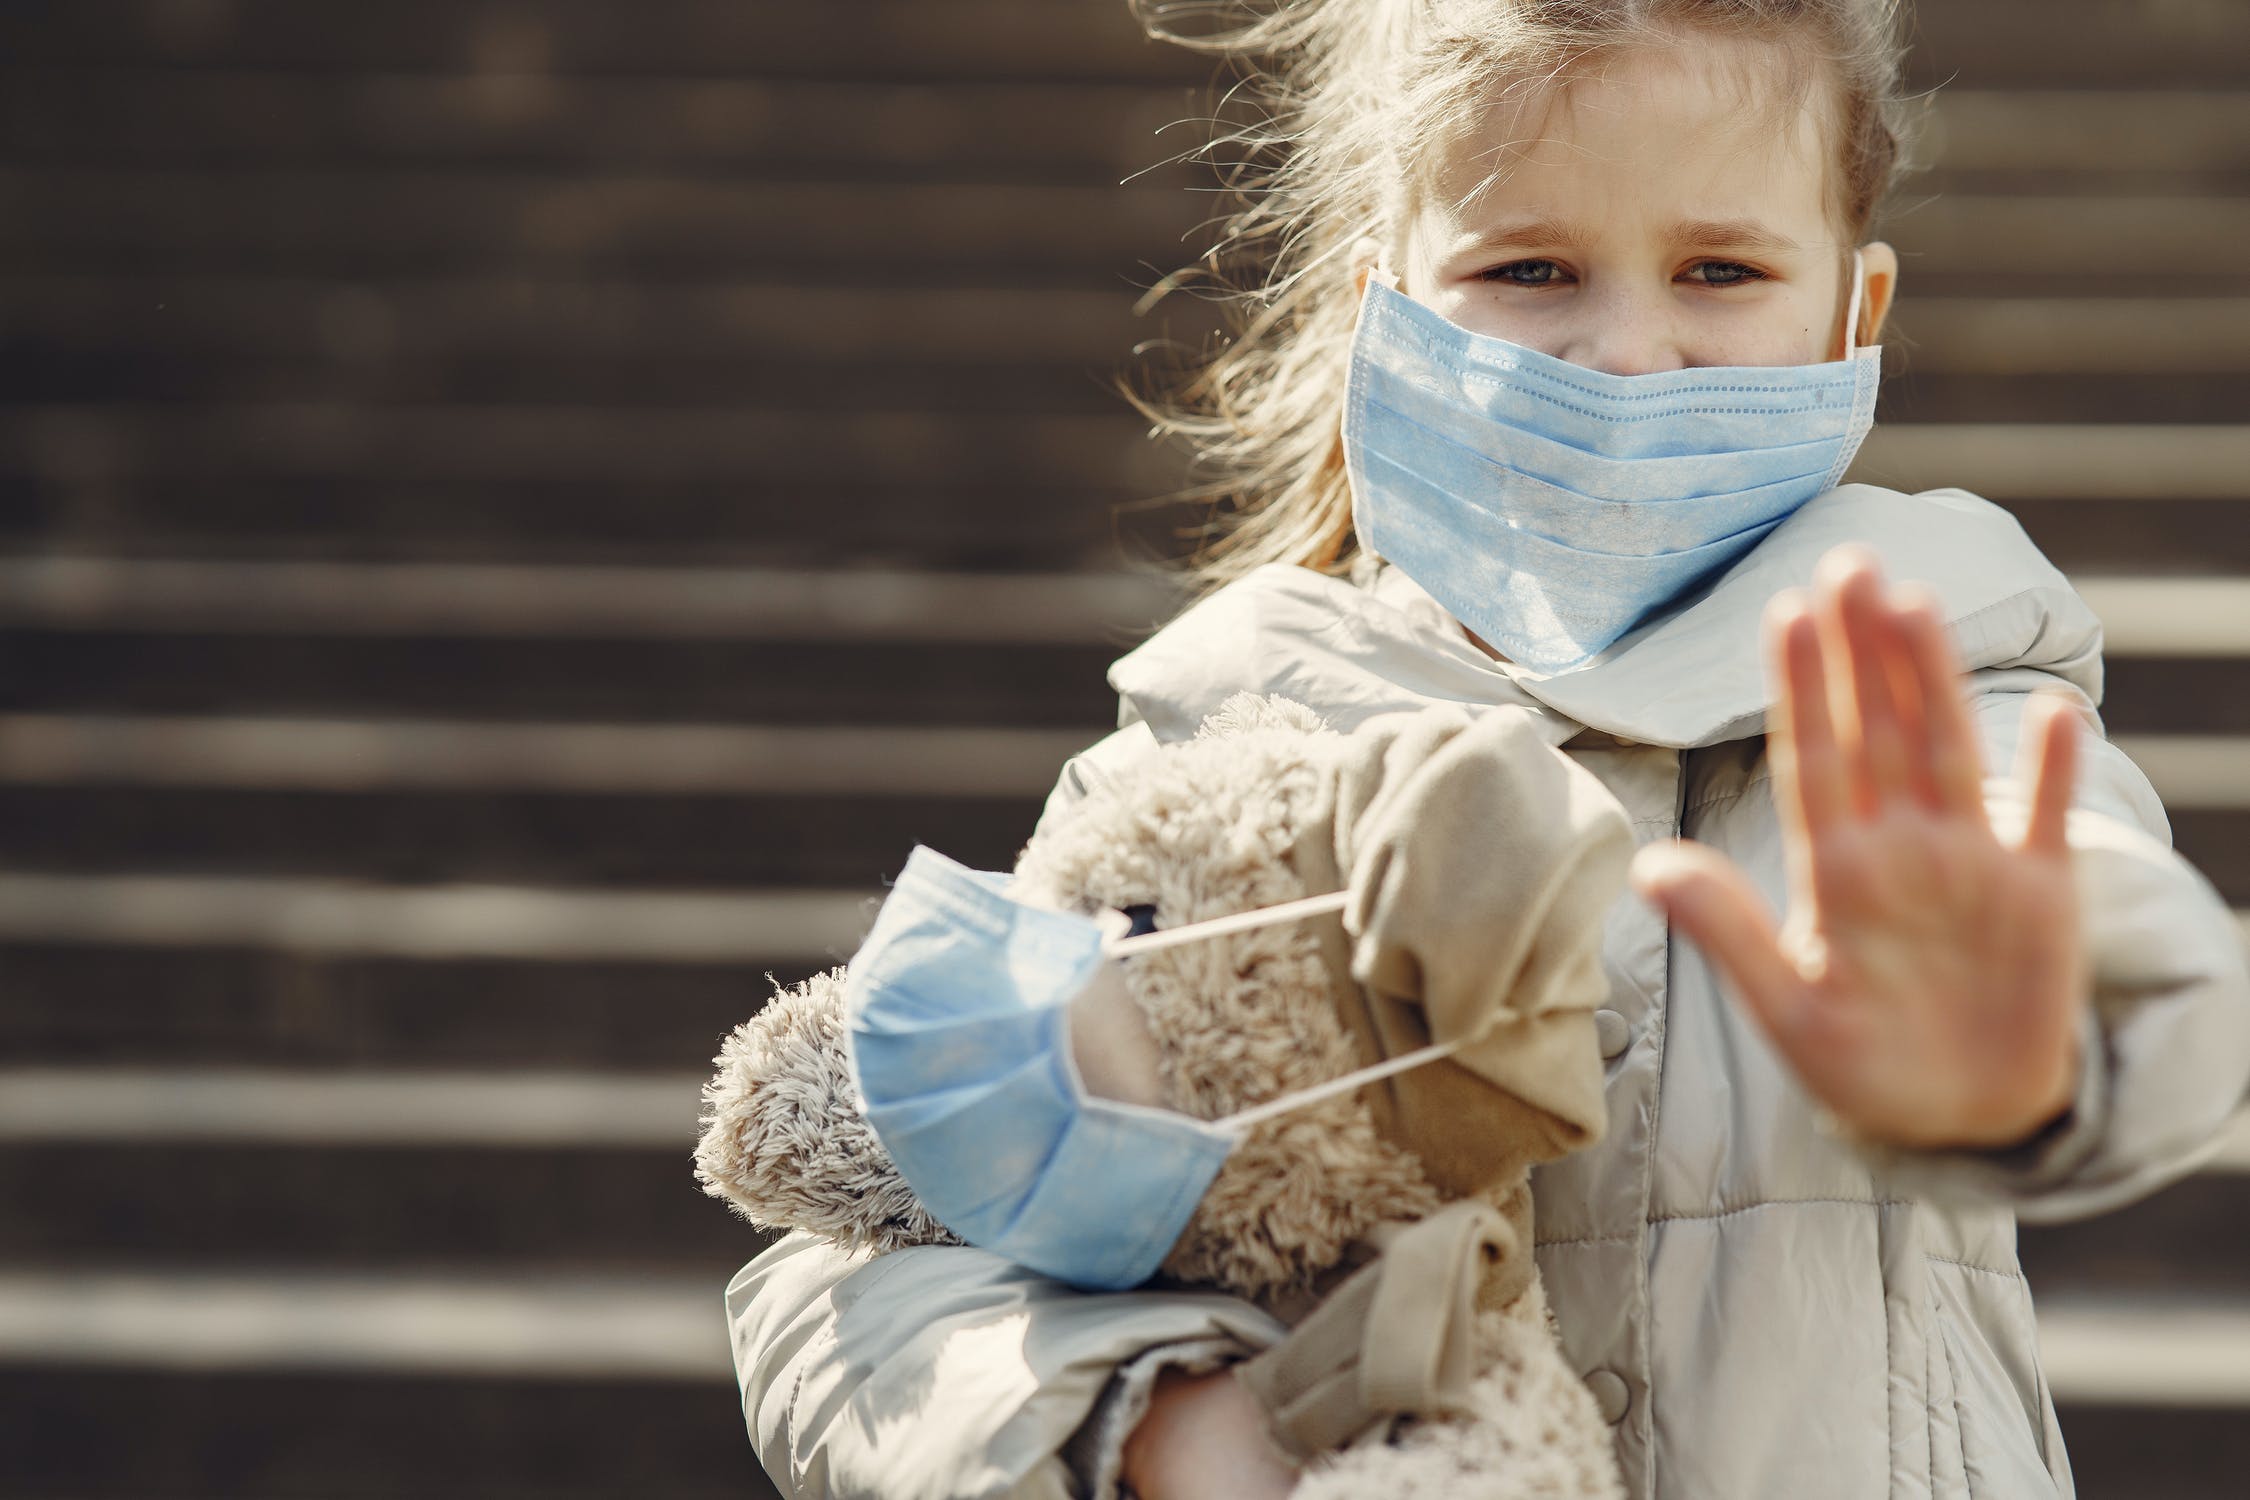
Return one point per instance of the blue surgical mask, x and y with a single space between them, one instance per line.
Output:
959 1025
1552 508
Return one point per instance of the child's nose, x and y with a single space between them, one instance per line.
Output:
1626 335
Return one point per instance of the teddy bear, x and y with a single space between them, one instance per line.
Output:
1389 1226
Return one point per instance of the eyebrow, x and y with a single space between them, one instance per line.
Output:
1546 231
1748 234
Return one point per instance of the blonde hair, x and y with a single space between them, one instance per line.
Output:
1350 101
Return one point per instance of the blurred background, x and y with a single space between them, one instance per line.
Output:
515 516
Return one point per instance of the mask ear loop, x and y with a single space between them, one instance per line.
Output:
1242 1120
1241 921
1270 916
1851 313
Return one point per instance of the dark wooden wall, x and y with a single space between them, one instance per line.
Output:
514 516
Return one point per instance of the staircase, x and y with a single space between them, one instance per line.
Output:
514 517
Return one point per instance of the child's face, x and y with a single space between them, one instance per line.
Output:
1659 216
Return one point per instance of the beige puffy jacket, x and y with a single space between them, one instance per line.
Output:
1761 1308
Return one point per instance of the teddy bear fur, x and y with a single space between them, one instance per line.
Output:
1203 829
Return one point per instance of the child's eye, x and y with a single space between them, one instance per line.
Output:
1724 273
1524 273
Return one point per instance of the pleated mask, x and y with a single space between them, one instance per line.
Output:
1552 508
959 1030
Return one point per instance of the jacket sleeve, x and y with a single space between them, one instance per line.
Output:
939 1372
946 1371
2166 1052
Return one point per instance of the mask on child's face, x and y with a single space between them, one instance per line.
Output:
958 1009
1551 508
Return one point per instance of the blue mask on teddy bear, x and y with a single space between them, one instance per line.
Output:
959 1030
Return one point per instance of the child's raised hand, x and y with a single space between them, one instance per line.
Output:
1927 980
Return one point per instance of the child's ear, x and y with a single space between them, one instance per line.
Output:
1882 285
1367 254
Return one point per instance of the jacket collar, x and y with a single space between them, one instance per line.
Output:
1693 676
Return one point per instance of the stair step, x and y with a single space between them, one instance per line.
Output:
626 385
2010 461
48 454
2086 538
2190 772
348 517
657 224
618 1326
545 1431
374 756
2115 1350
1001 39
307 441
1000 525
931 686
1913 396
2020 337
517 1208
408 837
232 1001
2084 131
329 1166
621 839
138 970
385 222
517 326
2175 1240
672 605
442 922
2160 1453
515 315
2183 43
96 1432
1911 393
2081 42
106 116
323 1108
2143 616
2146 1349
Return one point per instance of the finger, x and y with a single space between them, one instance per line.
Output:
1707 896
2051 730
1712 901
1951 749
1809 781
1849 610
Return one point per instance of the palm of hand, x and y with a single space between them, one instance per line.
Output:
1926 982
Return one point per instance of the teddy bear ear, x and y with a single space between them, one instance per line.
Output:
1245 713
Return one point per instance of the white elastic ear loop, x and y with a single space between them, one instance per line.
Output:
1271 916
1257 1115
1851 313
1241 921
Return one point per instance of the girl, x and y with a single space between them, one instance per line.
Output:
1566 343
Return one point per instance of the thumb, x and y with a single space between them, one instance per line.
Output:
1706 895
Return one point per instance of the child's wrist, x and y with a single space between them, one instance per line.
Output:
2023 1131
